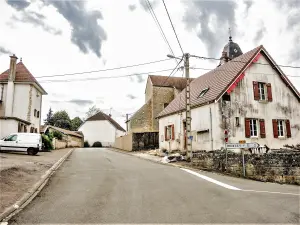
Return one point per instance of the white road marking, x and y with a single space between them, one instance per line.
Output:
212 180
232 187
272 192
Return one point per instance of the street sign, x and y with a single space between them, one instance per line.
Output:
191 137
242 141
237 145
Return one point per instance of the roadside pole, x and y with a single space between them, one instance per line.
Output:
243 159
188 106
226 158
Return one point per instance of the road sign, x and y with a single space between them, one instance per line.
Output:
226 136
246 145
191 137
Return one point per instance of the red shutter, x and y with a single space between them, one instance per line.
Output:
275 128
173 133
288 129
166 136
262 128
247 128
269 91
255 90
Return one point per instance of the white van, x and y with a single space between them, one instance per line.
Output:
25 142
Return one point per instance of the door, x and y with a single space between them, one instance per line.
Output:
9 143
184 138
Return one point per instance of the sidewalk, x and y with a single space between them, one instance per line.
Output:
19 172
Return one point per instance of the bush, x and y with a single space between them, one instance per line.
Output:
97 144
86 144
47 142
57 135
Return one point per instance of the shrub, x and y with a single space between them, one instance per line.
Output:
47 142
97 144
86 144
57 135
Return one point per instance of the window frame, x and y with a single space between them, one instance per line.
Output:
262 86
280 128
252 126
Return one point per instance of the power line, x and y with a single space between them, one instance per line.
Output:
233 60
159 27
100 78
173 27
103 70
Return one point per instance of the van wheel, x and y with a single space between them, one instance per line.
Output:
32 151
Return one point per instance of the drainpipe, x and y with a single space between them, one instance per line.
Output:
211 133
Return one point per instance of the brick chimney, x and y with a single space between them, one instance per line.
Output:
12 68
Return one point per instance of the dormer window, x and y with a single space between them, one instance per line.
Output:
203 92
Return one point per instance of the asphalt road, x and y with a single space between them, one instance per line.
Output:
103 186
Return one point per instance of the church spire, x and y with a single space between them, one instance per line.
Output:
229 31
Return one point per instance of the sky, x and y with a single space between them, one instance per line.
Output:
56 37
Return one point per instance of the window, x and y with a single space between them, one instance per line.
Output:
280 128
253 127
38 114
35 112
11 138
237 121
203 92
226 97
262 91
169 133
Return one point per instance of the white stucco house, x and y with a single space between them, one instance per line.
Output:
247 94
20 100
103 128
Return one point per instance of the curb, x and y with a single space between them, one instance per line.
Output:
30 195
147 159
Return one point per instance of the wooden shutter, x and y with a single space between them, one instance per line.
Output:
275 128
288 129
166 133
269 91
262 128
173 132
247 128
255 90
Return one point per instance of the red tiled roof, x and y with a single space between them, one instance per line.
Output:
216 80
165 81
103 116
22 75
64 131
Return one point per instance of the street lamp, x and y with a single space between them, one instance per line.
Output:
173 57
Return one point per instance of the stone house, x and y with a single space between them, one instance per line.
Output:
69 139
247 94
142 127
101 127
20 100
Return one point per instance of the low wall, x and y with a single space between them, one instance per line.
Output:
124 142
274 167
145 140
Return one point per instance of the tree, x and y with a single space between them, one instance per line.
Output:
61 119
92 111
49 119
76 123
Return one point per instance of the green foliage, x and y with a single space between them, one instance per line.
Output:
57 135
76 123
86 144
47 142
97 144
61 119
49 120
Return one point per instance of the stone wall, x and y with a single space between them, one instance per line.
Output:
124 142
147 140
141 121
161 95
281 167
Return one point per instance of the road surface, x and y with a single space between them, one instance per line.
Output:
103 186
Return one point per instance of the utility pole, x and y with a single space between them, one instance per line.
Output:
188 105
127 122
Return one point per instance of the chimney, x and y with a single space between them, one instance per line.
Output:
12 68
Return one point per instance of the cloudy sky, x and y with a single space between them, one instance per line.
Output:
56 37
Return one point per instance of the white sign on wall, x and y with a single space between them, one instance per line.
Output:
237 145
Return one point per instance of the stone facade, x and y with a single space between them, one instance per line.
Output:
281 167
141 121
